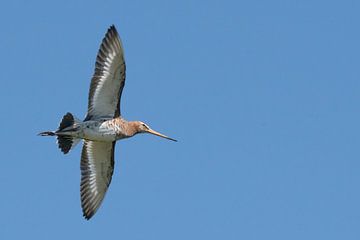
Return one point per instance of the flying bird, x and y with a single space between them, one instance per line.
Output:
102 126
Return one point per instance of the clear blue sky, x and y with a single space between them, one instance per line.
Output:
263 97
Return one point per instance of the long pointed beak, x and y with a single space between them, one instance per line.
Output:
160 135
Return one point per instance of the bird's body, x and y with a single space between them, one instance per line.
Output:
105 130
102 126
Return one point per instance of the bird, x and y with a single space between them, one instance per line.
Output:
103 124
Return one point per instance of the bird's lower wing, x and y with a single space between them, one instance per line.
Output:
97 167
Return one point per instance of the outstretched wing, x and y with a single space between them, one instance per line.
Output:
109 78
97 167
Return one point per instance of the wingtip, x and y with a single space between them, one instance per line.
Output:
88 214
87 217
111 35
112 28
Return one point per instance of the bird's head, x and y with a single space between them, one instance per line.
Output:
144 128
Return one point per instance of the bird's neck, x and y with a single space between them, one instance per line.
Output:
132 128
126 128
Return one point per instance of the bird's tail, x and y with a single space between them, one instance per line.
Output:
47 133
64 141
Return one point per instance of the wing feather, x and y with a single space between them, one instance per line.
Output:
108 80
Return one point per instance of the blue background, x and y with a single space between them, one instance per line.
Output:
263 97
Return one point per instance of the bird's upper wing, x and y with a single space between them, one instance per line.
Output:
97 167
109 78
